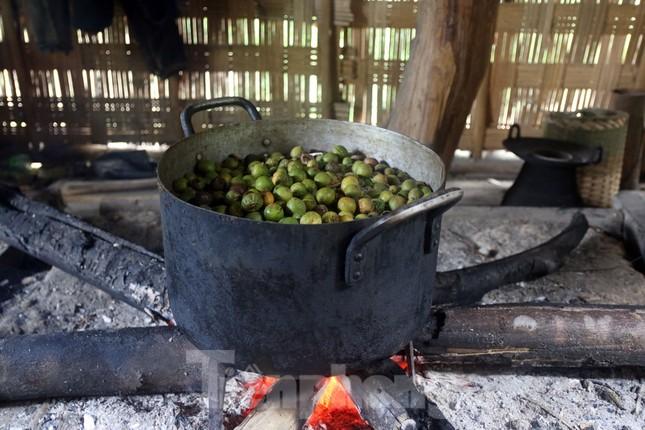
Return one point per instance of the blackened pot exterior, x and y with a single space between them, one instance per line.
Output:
278 294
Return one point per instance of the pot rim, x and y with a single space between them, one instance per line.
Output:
362 222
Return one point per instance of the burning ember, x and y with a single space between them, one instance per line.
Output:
335 410
259 387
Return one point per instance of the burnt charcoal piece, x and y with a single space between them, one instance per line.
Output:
126 271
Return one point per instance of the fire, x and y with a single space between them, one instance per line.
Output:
401 361
336 410
260 387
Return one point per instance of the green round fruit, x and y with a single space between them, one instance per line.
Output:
296 152
283 193
180 185
396 202
365 205
347 181
323 179
385 196
296 207
273 212
345 217
198 183
205 166
347 162
426 190
188 194
288 220
326 196
340 150
353 191
281 177
330 157
362 169
414 194
249 180
380 178
312 171
310 201
220 208
298 174
330 217
380 167
252 201
255 216
299 190
226 176
259 169
310 184
311 218
231 162
361 216
238 180
408 184
235 209
347 204
263 183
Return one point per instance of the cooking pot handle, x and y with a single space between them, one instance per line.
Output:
187 114
432 206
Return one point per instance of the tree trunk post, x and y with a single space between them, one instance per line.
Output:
449 60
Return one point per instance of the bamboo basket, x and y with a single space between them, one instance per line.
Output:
598 183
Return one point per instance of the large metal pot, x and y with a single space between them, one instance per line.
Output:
293 298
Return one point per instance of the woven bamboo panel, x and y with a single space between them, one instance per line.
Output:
266 51
558 55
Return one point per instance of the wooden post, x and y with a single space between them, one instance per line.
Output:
479 118
448 62
632 102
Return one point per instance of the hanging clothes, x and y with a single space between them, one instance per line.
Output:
92 16
50 24
153 25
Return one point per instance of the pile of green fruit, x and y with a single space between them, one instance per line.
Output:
305 188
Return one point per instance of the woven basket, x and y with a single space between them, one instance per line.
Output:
598 183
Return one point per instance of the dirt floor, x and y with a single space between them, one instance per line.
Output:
597 272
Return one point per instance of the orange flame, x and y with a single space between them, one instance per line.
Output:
260 387
336 410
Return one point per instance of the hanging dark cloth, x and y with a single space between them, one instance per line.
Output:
50 24
153 25
92 16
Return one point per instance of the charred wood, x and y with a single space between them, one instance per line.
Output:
97 363
126 271
154 360
535 336
468 285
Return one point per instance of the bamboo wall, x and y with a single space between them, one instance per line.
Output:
309 58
